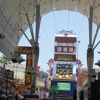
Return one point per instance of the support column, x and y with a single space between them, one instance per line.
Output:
90 54
90 51
90 59
35 62
36 49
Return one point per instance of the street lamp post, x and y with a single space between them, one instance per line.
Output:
91 47
7 77
6 84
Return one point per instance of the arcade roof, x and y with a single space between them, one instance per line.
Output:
12 13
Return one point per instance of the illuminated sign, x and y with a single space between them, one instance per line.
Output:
64 66
64 86
28 52
64 74
63 57
25 50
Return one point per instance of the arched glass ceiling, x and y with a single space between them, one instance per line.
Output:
12 12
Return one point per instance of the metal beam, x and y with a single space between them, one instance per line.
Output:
30 25
96 45
25 35
37 23
34 63
36 48
90 26
90 51
96 34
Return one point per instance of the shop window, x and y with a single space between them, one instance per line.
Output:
59 49
71 49
65 49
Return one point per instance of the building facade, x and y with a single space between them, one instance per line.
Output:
64 60
64 55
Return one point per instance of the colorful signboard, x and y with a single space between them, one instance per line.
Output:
62 93
64 66
64 74
28 52
65 57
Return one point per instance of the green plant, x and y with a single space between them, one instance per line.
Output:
4 60
53 89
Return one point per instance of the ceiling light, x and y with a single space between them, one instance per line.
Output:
67 76
57 74
70 74
60 76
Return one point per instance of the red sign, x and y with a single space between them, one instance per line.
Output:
64 57
66 39
38 69
28 52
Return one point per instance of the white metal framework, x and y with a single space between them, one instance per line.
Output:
13 12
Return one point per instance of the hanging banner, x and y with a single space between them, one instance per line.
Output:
28 52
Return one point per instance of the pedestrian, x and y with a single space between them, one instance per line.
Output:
13 89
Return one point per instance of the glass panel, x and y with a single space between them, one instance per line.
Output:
59 49
65 49
71 49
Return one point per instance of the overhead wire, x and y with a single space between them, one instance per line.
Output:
78 36
68 14
54 16
46 35
61 13
76 10
61 19
54 21
81 23
80 27
74 22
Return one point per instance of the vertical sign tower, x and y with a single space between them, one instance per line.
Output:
64 55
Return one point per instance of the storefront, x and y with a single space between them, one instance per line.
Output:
5 75
65 89
2 78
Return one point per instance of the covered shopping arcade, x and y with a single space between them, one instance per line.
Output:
15 13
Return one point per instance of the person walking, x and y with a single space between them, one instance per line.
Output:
13 89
